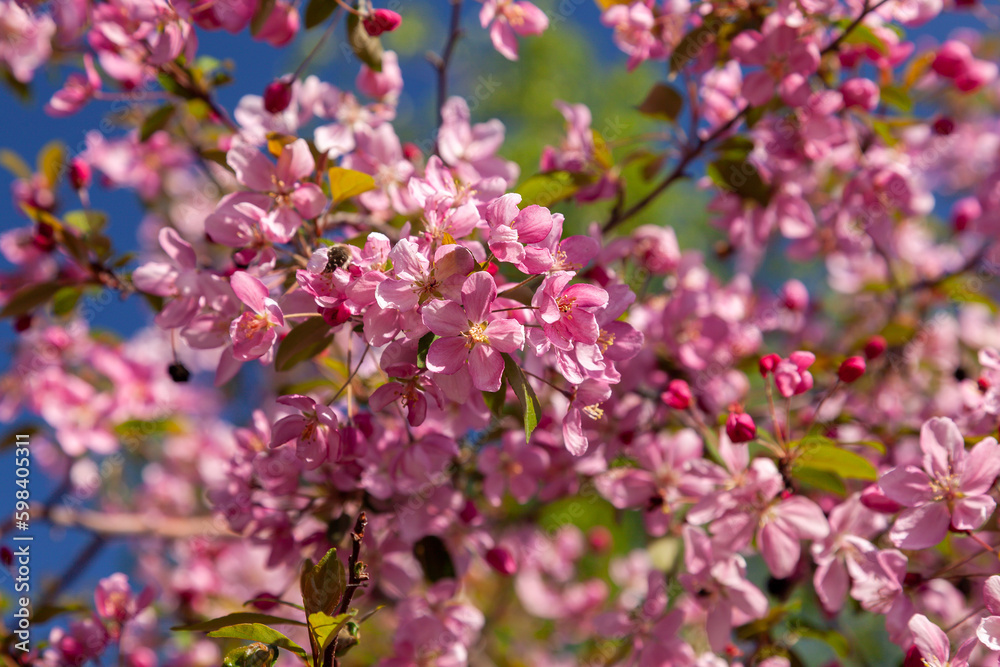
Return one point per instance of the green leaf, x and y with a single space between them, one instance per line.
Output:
495 400
514 376
251 655
65 300
257 632
422 347
168 84
830 458
14 163
326 628
49 612
51 159
862 34
303 342
86 221
736 147
821 480
238 618
155 121
260 17
323 584
691 46
547 188
897 97
368 49
831 638
347 183
740 177
662 102
318 11
965 289
28 298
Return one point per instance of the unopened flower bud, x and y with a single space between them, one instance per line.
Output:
873 498
768 363
860 92
501 560
677 395
599 538
875 347
382 20
740 427
795 296
964 212
277 96
80 175
851 369
952 59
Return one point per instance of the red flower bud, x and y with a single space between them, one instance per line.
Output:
336 315
964 212
277 96
412 152
767 364
501 560
740 427
79 174
873 498
469 513
382 20
851 369
599 538
677 395
943 126
875 346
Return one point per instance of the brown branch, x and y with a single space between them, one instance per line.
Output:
357 576
441 62
677 173
124 525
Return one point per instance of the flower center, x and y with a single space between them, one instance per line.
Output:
476 334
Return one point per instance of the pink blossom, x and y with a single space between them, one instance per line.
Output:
790 375
253 332
585 407
511 228
988 631
470 334
180 279
27 39
114 600
634 25
950 491
717 582
76 92
787 58
516 465
568 312
507 19
385 85
313 426
934 646
293 199
471 149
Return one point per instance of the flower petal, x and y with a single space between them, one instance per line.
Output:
921 527
972 512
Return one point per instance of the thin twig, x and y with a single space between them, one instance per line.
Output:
441 62
678 172
357 575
